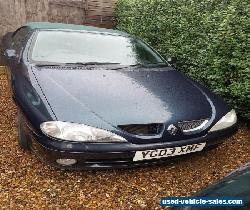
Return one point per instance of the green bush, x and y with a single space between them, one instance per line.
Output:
210 39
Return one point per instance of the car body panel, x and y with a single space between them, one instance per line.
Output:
124 97
235 185
107 156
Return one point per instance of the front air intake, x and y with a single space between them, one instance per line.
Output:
143 129
193 125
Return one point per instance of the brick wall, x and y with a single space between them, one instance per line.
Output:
14 13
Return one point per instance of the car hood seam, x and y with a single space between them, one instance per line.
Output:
44 94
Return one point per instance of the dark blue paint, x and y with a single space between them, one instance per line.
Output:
106 98
235 185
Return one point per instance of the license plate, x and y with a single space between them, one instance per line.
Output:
168 152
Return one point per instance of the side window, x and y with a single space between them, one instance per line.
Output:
18 39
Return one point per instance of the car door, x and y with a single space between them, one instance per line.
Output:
16 44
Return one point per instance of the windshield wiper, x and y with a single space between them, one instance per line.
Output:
128 66
91 63
44 65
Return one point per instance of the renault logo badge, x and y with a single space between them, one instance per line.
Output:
172 129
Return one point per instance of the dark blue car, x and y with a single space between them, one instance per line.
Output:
100 98
236 185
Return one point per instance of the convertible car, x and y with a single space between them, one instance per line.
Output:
101 98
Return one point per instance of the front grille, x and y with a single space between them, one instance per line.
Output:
194 125
143 129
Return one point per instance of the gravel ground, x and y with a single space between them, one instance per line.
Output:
27 183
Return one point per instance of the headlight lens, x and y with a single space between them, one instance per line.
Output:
226 121
78 132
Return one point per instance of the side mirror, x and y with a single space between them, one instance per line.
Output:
10 53
172 61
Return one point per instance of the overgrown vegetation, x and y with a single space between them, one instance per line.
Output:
210 39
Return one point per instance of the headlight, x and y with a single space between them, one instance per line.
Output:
226 121
78 132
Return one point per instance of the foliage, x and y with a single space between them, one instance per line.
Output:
210 39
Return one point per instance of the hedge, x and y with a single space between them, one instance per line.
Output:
210 39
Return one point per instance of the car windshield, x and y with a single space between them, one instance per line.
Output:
85 47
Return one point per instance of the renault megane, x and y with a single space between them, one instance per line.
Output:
101 98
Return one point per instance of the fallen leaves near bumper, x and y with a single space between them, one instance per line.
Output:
27 183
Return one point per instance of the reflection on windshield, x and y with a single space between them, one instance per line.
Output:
78 47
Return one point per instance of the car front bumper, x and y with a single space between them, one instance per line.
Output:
105 156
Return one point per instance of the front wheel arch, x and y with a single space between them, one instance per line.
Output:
23 138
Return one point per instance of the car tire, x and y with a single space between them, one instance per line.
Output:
22 137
